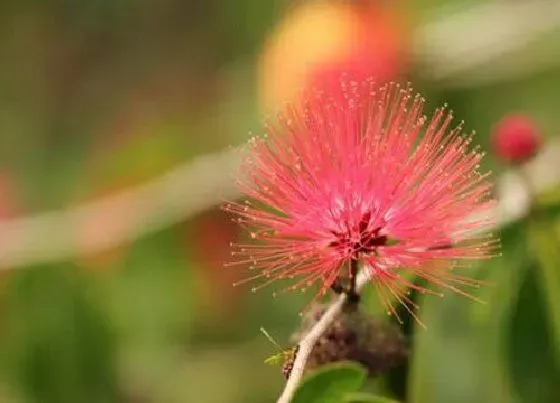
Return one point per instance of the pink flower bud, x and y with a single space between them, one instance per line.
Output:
516 139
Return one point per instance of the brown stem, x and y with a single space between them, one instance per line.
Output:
353 296
338 285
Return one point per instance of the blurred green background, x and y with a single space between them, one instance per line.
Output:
98 97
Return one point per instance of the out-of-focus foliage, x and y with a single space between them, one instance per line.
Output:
51 324
500 351
97 96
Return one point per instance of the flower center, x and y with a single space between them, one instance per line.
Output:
359 239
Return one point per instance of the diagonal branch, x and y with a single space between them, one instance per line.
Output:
308 342
101 225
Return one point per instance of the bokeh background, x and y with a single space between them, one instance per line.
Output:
117 122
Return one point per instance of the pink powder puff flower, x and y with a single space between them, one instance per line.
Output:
347 177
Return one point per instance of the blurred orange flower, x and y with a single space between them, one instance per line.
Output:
322 39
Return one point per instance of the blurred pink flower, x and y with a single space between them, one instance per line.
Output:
346 176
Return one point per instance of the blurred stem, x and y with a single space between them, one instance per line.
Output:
469 47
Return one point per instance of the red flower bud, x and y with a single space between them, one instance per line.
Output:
516 139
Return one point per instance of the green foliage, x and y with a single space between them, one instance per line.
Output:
530 345
330 384
503 350
150 307
533 333
60 346
367 398
545 244
336 383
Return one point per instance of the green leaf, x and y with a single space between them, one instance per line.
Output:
330 384
533 369
545 245
367 398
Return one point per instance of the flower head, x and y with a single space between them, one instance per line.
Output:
358 174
